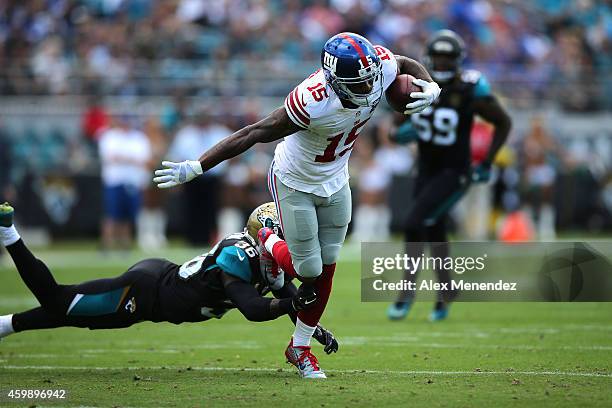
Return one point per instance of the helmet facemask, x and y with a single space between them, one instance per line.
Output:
351 89
443 67
444 56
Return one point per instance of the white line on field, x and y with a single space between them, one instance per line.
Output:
267 369
345 343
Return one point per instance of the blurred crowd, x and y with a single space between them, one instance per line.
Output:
191 51
227 47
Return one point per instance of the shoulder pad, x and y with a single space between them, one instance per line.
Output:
234 261
389 65
481 88
308 99
470 76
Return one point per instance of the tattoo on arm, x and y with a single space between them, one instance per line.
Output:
273 127
412 67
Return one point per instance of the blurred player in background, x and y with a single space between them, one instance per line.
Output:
444 171
320 121
231 275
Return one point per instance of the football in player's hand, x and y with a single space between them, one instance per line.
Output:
398 93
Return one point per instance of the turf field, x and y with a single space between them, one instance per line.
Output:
506 354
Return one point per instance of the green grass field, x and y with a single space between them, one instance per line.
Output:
502 354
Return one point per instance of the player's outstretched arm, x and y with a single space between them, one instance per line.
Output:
273 127
257 308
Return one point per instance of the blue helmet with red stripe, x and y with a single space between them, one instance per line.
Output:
353 69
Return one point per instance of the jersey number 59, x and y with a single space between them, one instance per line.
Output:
440 127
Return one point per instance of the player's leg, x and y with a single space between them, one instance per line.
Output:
434 196
103 303
440 248
33 271
333 217
414 236
98 304
298 217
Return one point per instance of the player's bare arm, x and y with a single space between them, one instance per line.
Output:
491 111
273 127
412 67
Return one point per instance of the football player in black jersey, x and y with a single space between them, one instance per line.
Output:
444 161
231 275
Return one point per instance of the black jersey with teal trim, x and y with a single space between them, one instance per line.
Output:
194 292
444 127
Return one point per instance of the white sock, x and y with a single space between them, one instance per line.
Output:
6 325
302 334
8 235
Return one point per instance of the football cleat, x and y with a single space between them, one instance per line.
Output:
440 312
6 215
398 310
306 363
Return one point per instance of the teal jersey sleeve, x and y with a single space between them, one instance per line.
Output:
234 261
482 89
406 133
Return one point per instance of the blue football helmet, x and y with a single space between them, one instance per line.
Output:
353 69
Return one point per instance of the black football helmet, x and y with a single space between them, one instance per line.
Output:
444 55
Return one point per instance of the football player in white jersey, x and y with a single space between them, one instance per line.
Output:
320 122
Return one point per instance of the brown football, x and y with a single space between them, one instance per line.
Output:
398 93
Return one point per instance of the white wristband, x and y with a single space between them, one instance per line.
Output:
196 166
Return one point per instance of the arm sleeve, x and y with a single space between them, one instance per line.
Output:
482 89
389 65
105 145
295 105
254 307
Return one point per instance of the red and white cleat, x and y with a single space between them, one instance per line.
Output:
304 361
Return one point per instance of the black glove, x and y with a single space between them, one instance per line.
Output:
326 338
305 297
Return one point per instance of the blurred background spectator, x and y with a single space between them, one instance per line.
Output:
201 198
125 155
66 66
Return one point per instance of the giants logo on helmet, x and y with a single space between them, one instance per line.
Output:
329 62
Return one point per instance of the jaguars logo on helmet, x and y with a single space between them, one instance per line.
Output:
263 216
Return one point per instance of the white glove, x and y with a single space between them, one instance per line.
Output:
430 92
177 173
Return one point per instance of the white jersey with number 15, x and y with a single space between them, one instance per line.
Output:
315 159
